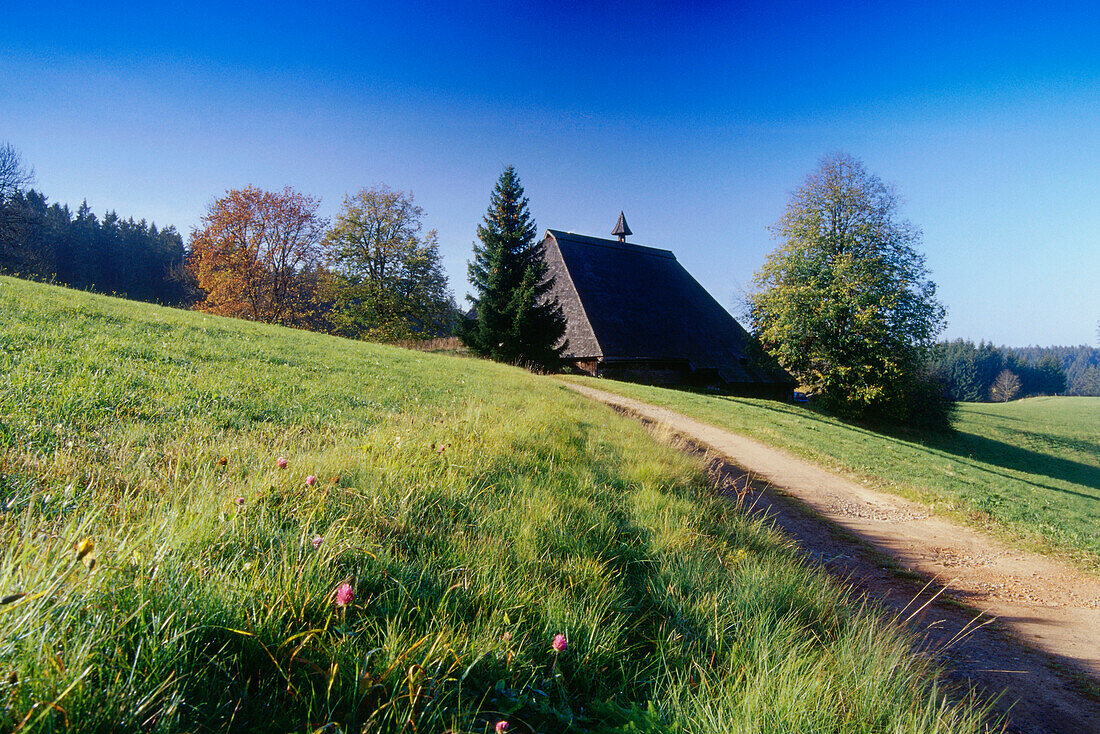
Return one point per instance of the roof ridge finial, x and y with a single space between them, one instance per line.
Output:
622 229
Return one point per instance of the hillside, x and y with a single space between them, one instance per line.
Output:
1030 468
161 572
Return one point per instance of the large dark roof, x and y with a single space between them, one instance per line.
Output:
628 302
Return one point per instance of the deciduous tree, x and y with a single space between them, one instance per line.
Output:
516 321
1006 387
390 282
257 256
846 303
15 177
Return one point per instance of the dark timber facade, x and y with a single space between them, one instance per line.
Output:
633 313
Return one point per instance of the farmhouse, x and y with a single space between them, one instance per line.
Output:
634 313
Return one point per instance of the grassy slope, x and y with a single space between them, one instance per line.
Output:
1031 466
476 509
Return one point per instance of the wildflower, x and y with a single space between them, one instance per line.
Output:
344 595
84 553
281 462
240 501
560 643
86 546
502 726
311 480
316 541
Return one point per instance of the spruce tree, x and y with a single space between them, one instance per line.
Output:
515 320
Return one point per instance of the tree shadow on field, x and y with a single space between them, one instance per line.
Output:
984 453
978 452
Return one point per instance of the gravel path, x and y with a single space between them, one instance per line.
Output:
1000 619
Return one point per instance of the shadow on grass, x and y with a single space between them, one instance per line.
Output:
972 450
1038 691
983 453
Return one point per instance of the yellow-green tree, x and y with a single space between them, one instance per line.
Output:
389 279
846 303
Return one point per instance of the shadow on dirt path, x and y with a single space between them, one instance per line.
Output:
1006 623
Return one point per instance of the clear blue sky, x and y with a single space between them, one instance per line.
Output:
698 120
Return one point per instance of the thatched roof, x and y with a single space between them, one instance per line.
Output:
625 302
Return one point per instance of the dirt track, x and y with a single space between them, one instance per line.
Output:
999 618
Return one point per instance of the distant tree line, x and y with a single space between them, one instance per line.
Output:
259 255
983 372
49 242
1081 365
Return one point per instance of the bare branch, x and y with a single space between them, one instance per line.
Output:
14 176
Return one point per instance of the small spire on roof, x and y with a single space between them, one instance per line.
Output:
621 228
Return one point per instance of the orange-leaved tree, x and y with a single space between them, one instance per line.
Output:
258 255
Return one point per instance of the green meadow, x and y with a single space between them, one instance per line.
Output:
1029 469
160 572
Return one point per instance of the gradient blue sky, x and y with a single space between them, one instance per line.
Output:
696 118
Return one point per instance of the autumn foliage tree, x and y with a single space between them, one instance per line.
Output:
258 255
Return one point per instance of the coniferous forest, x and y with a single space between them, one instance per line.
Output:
133 259
971 370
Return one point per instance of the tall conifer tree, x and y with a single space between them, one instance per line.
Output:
516 322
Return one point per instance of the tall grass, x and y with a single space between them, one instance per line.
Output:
160 572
